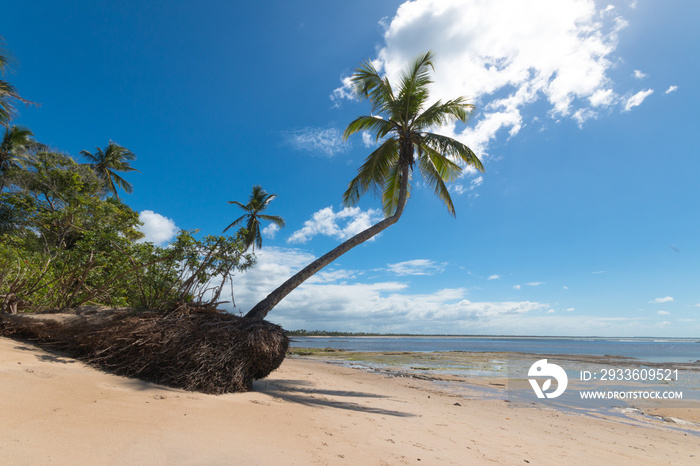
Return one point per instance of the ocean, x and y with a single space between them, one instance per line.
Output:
681 350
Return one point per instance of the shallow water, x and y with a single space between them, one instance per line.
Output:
644 349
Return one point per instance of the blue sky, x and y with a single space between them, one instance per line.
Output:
585 222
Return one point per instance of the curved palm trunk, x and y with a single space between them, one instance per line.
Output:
261 309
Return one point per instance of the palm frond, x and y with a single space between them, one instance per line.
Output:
447 169
441 113
434 179
235 222
453 148
376 124
413 86
276 219
367 84
374 172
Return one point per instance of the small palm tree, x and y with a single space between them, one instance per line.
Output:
258 202
14 150
403 120
114 158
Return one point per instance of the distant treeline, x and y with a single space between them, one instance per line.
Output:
326 333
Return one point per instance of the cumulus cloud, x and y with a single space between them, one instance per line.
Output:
639 75
318 141
516 287
415 267
671 89
663 313
661 300
535 283
341 225
637 99
156 228
270 231
336 299
340 299
493 55
494 277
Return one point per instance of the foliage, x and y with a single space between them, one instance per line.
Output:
188 270
257 203
106 163
63 245
403 121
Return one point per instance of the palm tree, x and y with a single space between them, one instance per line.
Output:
258 202
114 158
402 122
14 149
8 94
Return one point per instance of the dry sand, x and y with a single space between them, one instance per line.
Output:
55 410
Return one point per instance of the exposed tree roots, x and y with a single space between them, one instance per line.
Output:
201 350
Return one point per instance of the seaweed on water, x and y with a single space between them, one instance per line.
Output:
202 350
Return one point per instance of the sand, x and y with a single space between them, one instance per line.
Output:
55 410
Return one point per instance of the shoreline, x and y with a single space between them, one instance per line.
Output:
501 375
58 410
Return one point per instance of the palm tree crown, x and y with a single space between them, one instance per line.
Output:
258 202
114 158
402 122
15 144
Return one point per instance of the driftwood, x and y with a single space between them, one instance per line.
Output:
202 350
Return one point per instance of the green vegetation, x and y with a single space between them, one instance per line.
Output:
257 203
64 244
67 239
402 123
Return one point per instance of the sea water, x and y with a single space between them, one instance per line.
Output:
680 350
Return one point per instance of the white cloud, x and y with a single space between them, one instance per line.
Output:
473 184
535 283
270 231
661 300
415 267
602 98
340 299
663 313
156 228
319 141
516 287
494 277
571 309
341 225
493 53
637 99
639 75
369 141
671 89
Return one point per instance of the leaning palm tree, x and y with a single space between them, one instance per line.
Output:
402 120
14 150
258 202
114 158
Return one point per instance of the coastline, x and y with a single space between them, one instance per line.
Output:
58 410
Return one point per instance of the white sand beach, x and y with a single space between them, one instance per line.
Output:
56 410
